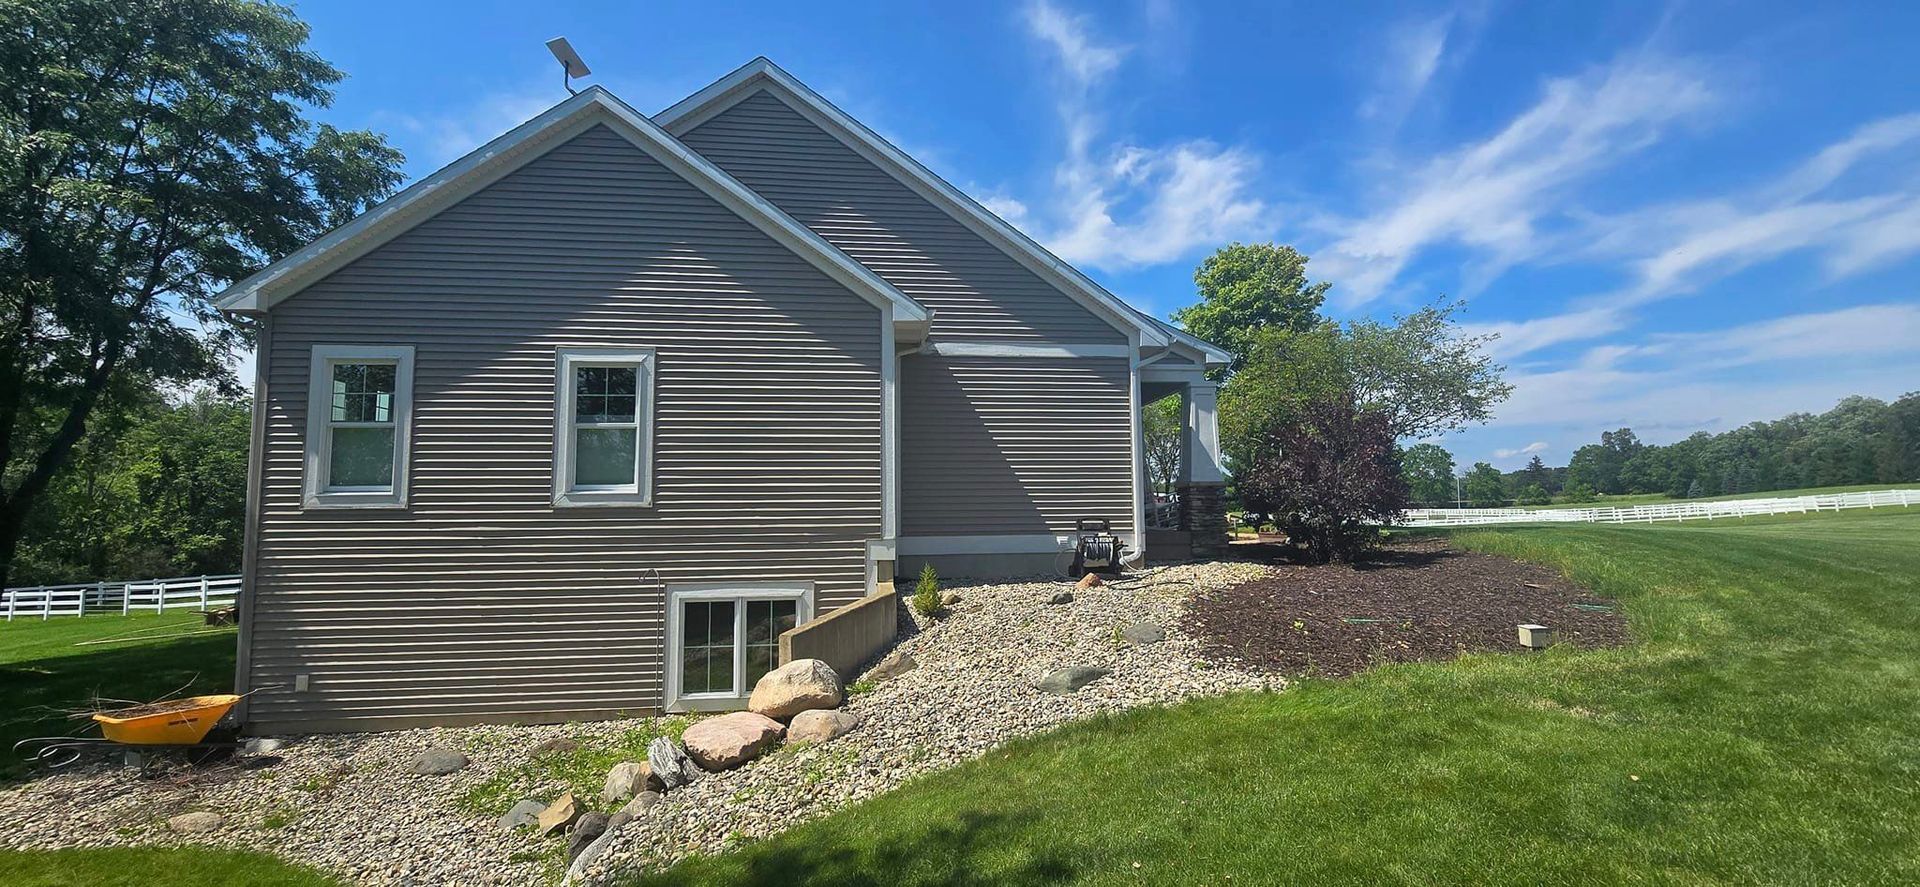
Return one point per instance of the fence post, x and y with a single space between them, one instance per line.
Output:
126 599
82 594
203 592
46 603
160 596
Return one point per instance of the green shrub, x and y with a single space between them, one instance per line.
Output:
926 592
1577 492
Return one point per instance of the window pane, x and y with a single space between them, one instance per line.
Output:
759 662
786 614
759 622
361 457
706 648
363 392
605 394
605 457
693 624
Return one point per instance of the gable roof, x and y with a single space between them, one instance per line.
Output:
764 74
519 146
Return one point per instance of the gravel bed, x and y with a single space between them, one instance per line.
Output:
346 804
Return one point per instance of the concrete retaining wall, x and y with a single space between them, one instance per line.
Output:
846 637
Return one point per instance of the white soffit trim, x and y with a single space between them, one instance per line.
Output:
761 72
1015 349
520 145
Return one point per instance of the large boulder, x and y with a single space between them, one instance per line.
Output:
668 764
559 815
624 780
439 762
800 685
730 740
641 803
1066 680
820 725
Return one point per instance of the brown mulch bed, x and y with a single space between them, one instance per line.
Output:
1415 600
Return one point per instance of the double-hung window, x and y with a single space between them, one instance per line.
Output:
358 409
723 638
603 427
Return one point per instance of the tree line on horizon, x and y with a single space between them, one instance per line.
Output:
1862 440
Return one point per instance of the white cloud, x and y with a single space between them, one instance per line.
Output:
1491 195
1538 446
1411 57
1124 205
1680 382
435 140
1086 61
1675 248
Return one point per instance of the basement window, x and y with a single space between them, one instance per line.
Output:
359 403
721 639
603 427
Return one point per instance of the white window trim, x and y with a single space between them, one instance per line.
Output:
641 493
317 491
740 593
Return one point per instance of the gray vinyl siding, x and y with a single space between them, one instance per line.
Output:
976 290
1005 446
482 601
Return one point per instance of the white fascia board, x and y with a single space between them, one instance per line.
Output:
725 92
1017 349
503 155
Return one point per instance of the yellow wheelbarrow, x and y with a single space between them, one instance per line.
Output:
167 725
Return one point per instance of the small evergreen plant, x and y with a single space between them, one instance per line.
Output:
926 592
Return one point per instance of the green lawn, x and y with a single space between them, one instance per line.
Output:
1766 729
43 674
143 867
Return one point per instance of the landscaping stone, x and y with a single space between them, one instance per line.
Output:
798 686
584 860
585 829
820 725
521 815
641 803
949 598
197 823
730 740
669 763
264 745
626 778
556 744
895 664
439 762
1091 580
559 815
1141 634
1066 680
1061 597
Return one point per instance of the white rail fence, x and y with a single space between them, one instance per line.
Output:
1674 511
155 595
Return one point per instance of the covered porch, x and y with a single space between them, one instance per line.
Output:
1190 518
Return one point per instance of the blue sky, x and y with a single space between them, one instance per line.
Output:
1677 216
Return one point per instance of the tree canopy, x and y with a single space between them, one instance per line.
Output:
1419 373
1428 469
1247 288
151 151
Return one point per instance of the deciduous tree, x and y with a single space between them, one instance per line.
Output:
151 151
1246 288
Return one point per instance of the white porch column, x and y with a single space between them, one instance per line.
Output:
1200 442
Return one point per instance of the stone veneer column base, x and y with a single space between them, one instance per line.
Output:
1203 511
